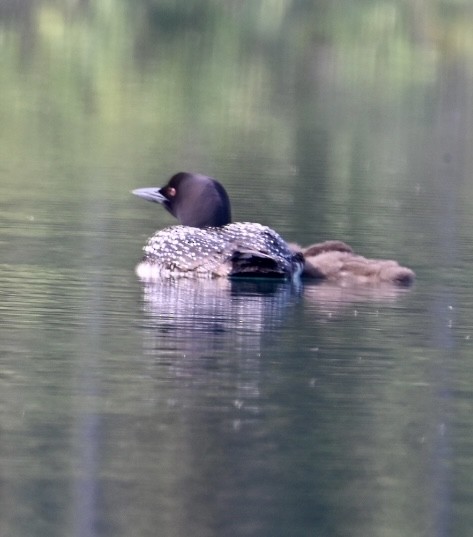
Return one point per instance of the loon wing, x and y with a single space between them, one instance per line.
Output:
246 263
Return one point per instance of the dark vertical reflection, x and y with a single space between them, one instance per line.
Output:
451 139
312 138
87 485
21 16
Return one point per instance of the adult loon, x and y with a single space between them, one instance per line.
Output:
207 244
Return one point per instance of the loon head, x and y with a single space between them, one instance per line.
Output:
194 199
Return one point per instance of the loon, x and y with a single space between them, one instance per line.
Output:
207 244
336 262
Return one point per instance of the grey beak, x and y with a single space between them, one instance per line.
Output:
150 194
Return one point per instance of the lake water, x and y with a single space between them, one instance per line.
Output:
246 408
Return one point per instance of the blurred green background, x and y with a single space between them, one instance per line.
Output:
323 119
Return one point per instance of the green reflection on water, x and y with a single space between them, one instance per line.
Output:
325 102
324 119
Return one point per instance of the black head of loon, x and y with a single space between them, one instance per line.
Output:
207 244
194 199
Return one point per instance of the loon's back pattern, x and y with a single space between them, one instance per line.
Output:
240 249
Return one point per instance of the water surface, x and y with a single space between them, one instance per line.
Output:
235 408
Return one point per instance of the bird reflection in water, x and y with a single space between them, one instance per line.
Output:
211 333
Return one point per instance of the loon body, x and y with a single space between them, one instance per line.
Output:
207 244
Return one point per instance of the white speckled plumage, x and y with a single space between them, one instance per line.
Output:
234 250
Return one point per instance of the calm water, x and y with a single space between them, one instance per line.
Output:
235 409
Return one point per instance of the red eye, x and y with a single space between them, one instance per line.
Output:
171 192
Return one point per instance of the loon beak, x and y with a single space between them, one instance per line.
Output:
150 194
